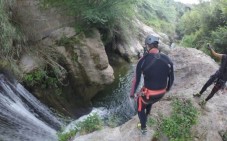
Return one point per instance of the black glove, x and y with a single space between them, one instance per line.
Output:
209 47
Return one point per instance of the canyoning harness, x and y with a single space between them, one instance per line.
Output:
146 93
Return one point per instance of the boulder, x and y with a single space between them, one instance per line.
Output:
93 63
88 64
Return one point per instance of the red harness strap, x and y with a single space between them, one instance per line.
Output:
149 93
146 92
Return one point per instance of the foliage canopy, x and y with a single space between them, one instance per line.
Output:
205 23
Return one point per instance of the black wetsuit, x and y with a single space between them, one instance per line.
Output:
219 77
157 70
158 73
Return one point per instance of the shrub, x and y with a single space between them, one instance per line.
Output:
177 127
9 34
188 41
67 136
113 121
219 37
109 16
43 78
90 124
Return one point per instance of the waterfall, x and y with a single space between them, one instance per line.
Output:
22 116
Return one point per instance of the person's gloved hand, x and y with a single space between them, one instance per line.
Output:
209 47
132 96
135 97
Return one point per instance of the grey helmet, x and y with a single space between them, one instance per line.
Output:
151 39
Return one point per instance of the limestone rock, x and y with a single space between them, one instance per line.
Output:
126 132
92 57
58 34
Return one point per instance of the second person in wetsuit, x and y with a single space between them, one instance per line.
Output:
219 77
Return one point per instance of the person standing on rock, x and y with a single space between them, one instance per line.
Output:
158 73
219 77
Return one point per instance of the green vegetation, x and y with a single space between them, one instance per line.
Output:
67 136
159 14
151 122
40 77
112 18
9 34
162 15
11 39
90 124
43 79
177 127
224 136
205 23
113 121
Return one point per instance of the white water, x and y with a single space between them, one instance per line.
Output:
22 116
101 112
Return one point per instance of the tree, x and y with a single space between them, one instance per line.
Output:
206 22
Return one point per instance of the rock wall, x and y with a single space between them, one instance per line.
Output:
88 64
84 59
36 21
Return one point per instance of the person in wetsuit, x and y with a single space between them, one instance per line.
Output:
158 73
219 77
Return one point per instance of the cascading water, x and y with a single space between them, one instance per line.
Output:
22 116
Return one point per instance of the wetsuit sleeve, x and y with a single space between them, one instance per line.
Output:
223 58
137 77
171 77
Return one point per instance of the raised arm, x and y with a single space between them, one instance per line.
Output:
215 54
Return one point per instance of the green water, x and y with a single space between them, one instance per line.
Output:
115 97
